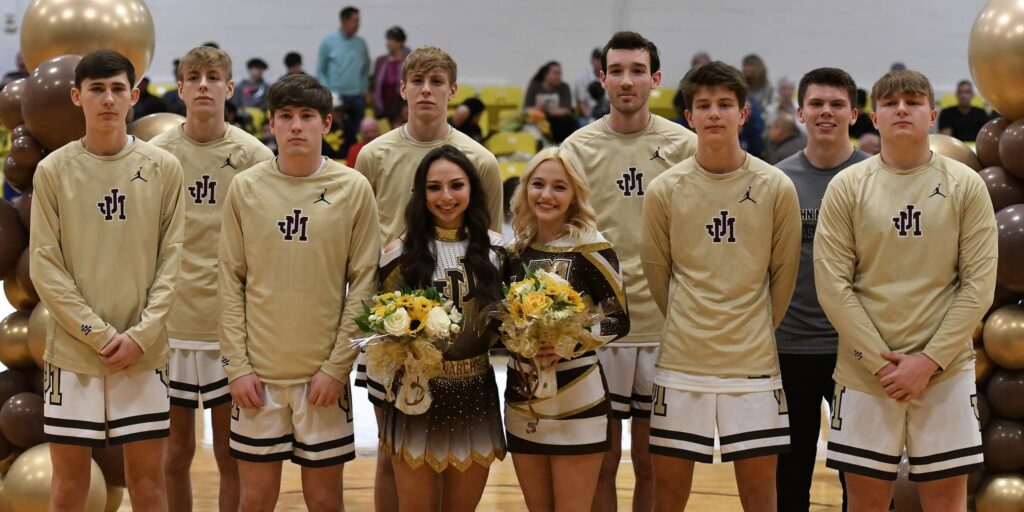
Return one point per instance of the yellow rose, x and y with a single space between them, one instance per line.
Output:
521 287
535 303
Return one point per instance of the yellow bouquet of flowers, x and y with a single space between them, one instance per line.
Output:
410 331
542 311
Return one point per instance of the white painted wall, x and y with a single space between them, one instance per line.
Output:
504 42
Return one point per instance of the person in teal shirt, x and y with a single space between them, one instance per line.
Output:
343 65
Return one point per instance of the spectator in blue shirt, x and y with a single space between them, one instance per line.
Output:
343 65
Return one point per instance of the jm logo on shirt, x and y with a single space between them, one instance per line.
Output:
204 190
722 228
112 206
908 222
293 227
632 182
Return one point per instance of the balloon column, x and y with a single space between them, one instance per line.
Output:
41 118
993 49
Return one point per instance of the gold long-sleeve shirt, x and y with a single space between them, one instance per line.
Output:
720 253
208 169
298 256
106 241
389 162
620 168
904 261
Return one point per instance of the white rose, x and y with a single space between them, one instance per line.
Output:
437 323
397 323
553 277
455 316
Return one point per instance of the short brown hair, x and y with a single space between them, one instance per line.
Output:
831 77
626 40
900 82
714 74
426 58
205 57
103 64
301 91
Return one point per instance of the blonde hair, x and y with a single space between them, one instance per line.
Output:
205 57
581 219
426 58
901 82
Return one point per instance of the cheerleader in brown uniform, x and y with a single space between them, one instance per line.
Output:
558 443
450 447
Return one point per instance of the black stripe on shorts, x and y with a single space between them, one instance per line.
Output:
141 436
946 473
326 445
252 441
75 441
754 434
270 457
140 419
846 467
942 457
77 424
220 400
755 452
184 402
864 454
213 386
682 436
333 461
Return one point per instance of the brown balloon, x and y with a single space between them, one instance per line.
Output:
1005 391
1011 149
150 126
1000 493
37 325
26 152
20 130
983 366
1003 443
111 461
13 238
17 176
35 380
987 142
47 108
57 27
984 410
10 104
1004 188
15 295
954 148
21 420
25 209
1004 337
978 330
14 341
21 272
12 382
1009 273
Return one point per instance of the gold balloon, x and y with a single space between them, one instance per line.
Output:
15 295
59 27
115 495
27 486
37 325
14 341
1001 493
150 126
1004 337
983 366
955 149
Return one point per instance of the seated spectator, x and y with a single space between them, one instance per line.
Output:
148 104
752 132
964 120
369 129
466 119
252 92
870 143
597 94
387 77
239 118
175 104
18 73
293 64
679 101
585 101
508 190
863 123
784 137
785 101
548 93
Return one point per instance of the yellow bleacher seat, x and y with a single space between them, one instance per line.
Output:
384 124
258 118
507 143
463 93
949 100
161 89
660 102
498 99
511 169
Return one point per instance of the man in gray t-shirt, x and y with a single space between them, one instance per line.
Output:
806 340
